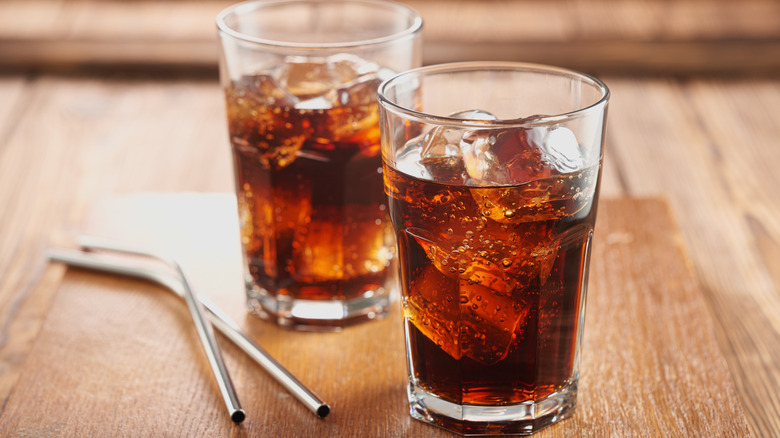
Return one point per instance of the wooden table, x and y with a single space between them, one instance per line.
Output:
706 147
123 354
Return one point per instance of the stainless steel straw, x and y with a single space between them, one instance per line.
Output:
204 329
221 321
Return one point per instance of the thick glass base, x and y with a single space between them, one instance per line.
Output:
318 315
519 419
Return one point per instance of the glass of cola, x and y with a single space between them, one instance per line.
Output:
492 172
300 80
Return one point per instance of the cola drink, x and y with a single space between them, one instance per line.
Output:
314 225
493 280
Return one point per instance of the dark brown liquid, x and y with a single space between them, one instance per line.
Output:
492 282
311 203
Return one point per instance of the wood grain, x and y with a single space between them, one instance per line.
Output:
23 278
681 37
119 357
711 146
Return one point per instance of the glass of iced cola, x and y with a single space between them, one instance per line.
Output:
492 172
300 80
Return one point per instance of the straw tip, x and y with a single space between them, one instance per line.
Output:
238 416
323 411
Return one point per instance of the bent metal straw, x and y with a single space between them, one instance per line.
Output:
218 318
205 331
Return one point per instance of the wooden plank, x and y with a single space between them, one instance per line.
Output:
123 355
20 239
681 37
199 58
710 147
12 103
530 20
653 287
622 57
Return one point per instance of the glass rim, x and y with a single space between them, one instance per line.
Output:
473 66
254 5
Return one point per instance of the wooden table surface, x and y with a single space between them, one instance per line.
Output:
123 354
706 145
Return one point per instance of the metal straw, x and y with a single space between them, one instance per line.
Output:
221 321
204 329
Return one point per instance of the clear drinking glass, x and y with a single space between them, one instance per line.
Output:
300 80
492 172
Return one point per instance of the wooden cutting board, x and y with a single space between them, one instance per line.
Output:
118 357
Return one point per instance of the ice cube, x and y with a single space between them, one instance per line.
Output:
545 255
440 163
361 91
502 156
544 199
433 308
265 90
474 146
322 83
445 141
357 79
353 116
479 159
437 249
346 67
431 301
358 125
444 168
489 322
559 147
504 261
441 152
407 160
537 162
498 284
528 202
519 155
305 77
473 312
440 141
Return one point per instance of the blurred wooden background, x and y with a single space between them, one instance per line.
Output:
599 36
105 97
